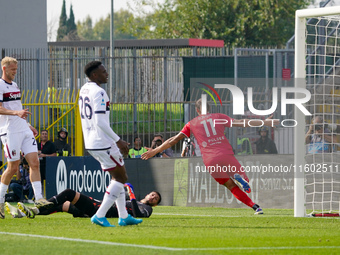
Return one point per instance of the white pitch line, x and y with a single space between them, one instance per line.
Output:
239 216
90 241
198 215
220 216
168 248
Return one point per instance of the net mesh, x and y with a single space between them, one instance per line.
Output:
322 171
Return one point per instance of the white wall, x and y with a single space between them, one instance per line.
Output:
23 24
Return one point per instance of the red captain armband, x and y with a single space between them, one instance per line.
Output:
129 189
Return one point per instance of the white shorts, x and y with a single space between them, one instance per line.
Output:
108 159
16 142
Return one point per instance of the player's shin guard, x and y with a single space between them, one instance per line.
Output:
37 188
121 205
112 193
3 191
240 195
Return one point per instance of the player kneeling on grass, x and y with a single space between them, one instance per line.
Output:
80 205
216 150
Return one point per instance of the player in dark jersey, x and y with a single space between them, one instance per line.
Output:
217 153
80 205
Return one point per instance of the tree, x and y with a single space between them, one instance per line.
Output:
101 29
85 30
237 22
121 20
72 34
62 30
67 30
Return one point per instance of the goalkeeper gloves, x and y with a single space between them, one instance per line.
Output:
129 189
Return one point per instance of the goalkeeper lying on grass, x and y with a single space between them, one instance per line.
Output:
80 205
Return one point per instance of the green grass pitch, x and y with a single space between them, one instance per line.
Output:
175 230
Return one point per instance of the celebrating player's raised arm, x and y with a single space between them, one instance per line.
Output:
167 144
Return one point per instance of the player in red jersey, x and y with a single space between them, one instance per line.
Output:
217 153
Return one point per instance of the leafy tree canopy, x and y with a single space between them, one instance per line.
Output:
101 30
237 22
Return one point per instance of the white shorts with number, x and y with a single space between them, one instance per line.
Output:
16 142
108 159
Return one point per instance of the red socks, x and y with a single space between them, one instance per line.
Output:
240 195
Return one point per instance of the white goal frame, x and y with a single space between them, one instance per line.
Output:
300 76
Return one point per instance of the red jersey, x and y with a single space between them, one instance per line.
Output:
209 132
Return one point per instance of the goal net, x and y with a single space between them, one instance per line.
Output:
317 155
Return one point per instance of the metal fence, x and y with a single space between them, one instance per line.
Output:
270 69
51 113
147 95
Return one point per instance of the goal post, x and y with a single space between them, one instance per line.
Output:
326 18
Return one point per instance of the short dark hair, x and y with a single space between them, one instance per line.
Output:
158 135
160 197
44 130
90 67
135 138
